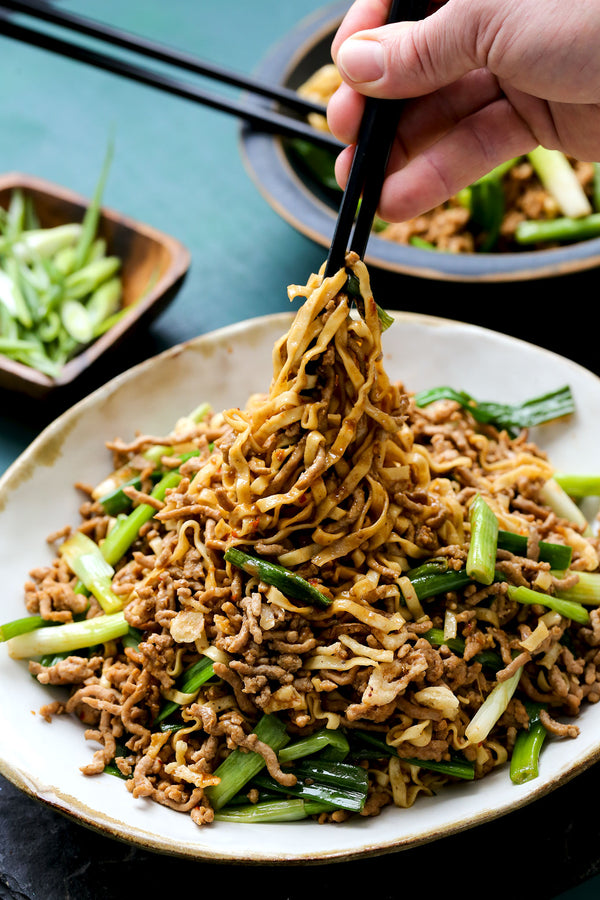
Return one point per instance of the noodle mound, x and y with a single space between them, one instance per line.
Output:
337 476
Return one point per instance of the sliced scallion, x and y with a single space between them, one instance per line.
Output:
481 556
84 557
68 637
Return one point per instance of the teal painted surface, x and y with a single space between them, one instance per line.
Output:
589 890
177 166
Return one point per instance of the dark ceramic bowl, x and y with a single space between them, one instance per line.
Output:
153 267
303 203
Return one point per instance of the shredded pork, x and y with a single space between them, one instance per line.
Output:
337 475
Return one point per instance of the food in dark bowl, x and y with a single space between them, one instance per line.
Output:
297 180
539 200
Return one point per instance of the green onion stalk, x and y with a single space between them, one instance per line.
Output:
456 768
559 501
68 637
570 609
579 485
85 558
189 684
240 767
271 811
481 556
492 708
557 555
585 591
290 584
559 178
511 417
524 761
329 741
21 626
560 230
341 785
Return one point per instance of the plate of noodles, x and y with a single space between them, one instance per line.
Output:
319 611
516 223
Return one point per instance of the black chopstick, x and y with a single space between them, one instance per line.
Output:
367 173
259 115
44 11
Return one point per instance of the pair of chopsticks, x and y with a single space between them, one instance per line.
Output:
260 115
363 189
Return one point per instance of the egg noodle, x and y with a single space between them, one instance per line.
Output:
339 482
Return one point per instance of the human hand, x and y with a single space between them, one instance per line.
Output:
489 80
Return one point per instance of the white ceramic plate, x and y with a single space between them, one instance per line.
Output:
37 497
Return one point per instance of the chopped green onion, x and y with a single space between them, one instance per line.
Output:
340 784
486 203
557 555
457 768
290 584
68 637
58 286
125 532
434 583
88 279
314 743
420 242
22 626
524 761
76 321
567 608
85 558
272 811
554 496
488 658
352 288
492 708
586 590
133 638
190 683
112 769
578 485
240 767
535 411
385 318
45 242
558 176
533 231
104 302
481 556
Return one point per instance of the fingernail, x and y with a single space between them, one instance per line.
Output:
361 60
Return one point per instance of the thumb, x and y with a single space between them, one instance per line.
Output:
409 59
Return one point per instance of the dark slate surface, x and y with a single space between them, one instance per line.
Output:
540 851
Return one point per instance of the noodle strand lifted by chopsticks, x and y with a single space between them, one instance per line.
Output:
334 474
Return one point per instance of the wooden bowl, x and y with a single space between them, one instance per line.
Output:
153 267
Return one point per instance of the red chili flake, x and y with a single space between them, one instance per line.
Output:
302 498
